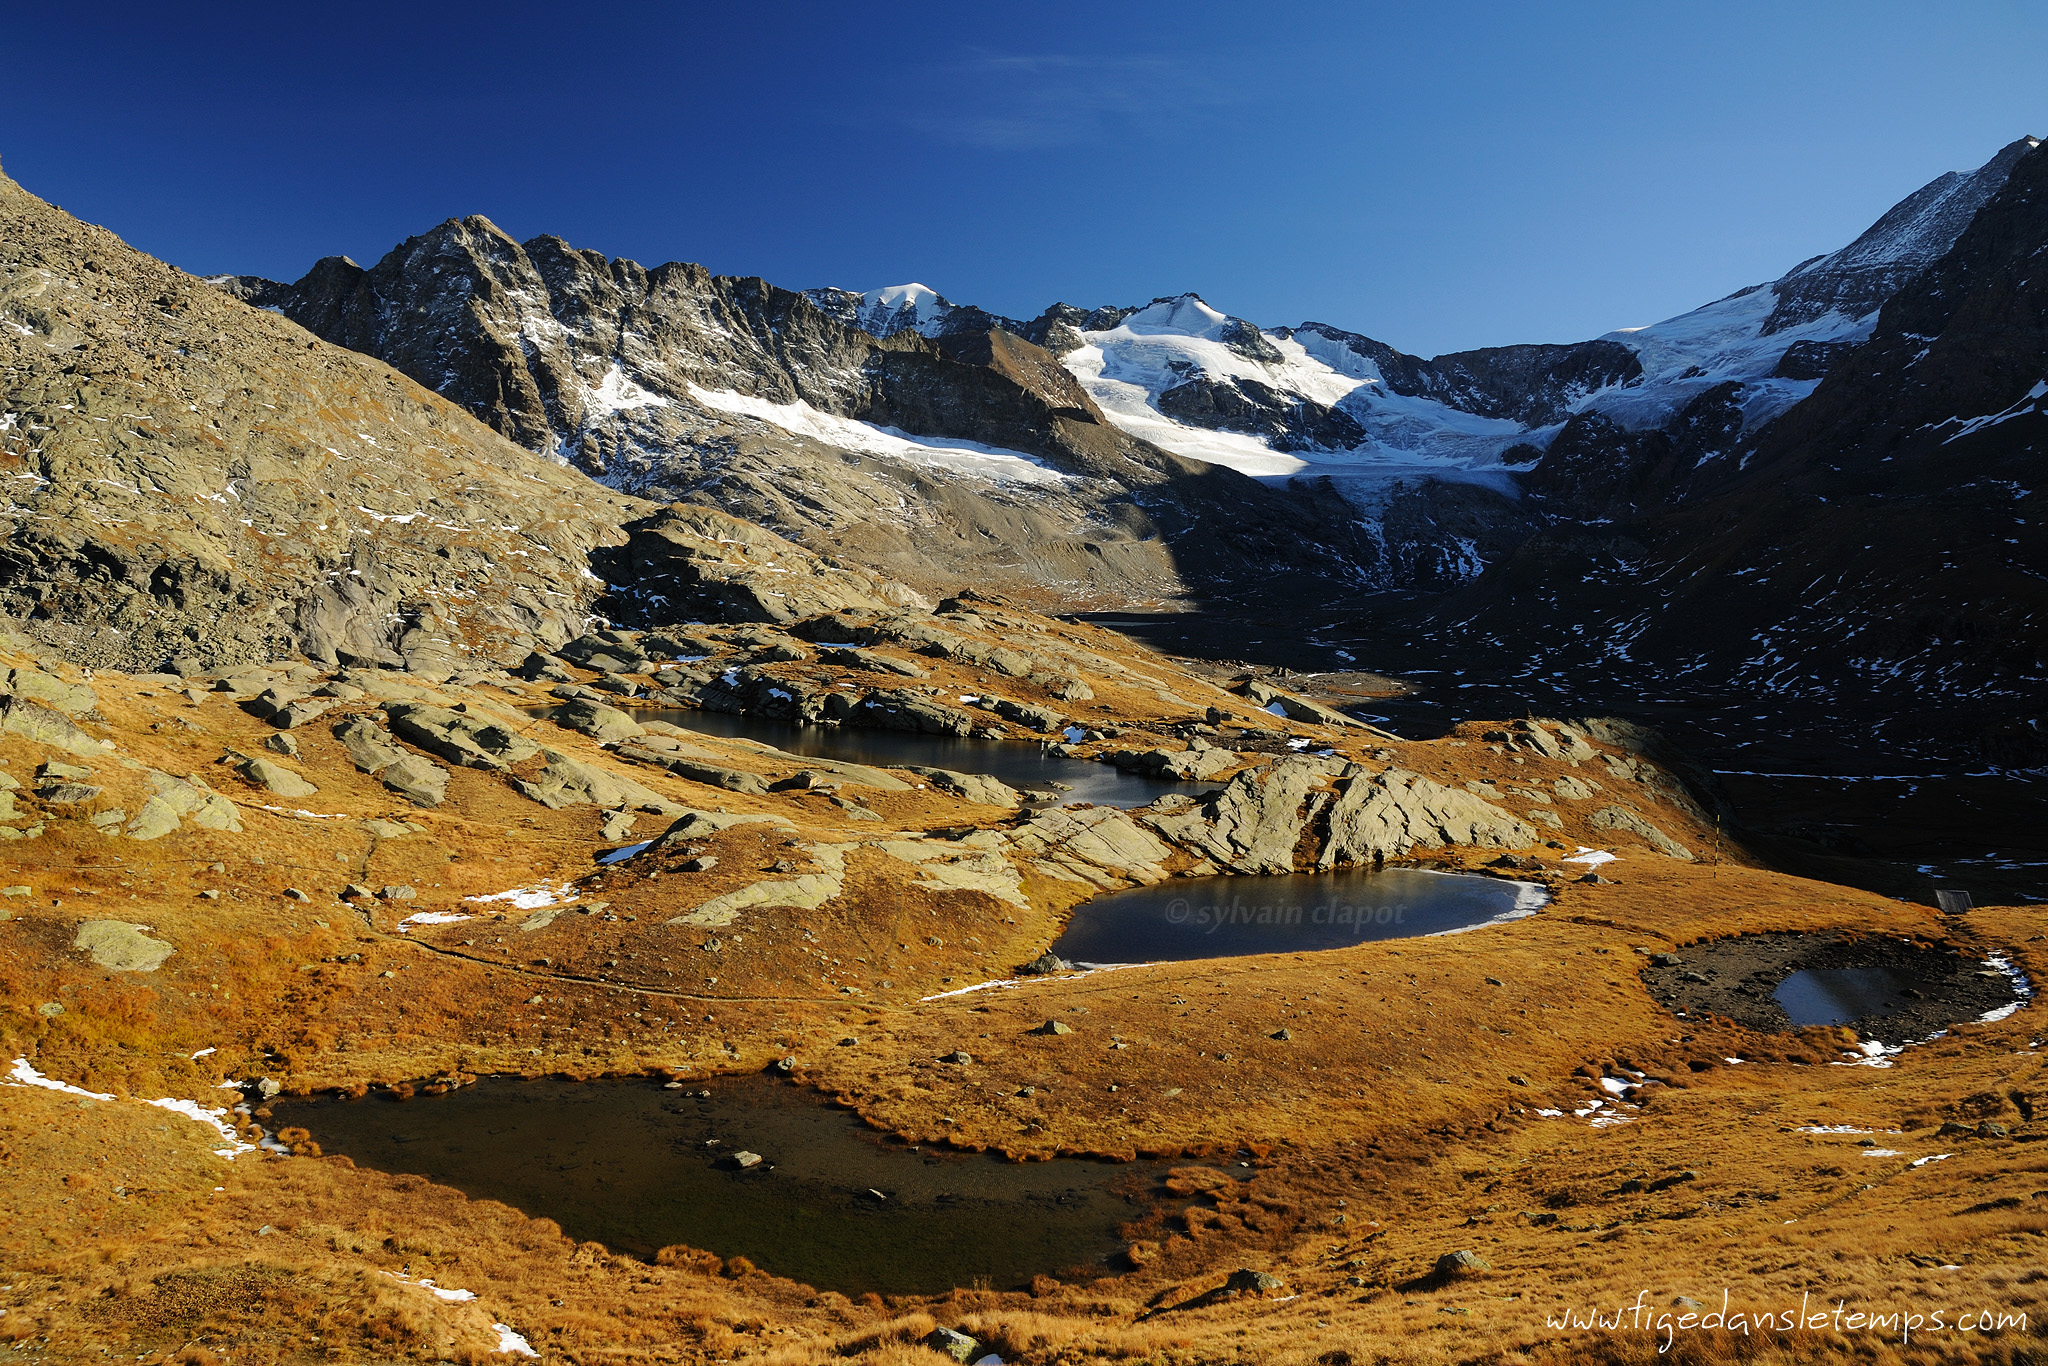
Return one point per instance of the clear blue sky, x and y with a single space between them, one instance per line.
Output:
1437 176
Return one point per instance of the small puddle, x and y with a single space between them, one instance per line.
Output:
1832 996
1227 917
1895 989
1026 767
638 1167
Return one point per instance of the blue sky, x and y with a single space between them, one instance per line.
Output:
1467 176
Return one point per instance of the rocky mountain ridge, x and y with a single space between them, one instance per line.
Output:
187 477
1059 455
1165 455
1871 551
967 457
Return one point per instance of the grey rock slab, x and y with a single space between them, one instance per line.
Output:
120 946
274 777
571 782
154 820
298 713
473 742
596 720
45 726
74 699
806 892
973 787
369 747
716 775
1102 845
420 781
67 794
196 803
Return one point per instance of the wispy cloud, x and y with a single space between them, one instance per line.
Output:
1019 101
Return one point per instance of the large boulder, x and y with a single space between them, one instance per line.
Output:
418 780
1194 765
595 719
571 782
854 657
119 946
612 652
952 1343
274 777
368 747
1286 704
1026 714
973 787
906 710
470 741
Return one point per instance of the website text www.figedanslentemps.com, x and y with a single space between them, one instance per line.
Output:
1906 1322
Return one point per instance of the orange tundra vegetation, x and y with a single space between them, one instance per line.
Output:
1395 1103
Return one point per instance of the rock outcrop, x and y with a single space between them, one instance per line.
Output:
1303 812
1256 822
688 563
1384 815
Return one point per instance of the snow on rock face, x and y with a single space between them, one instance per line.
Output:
1197 382
1911 236
955 457
617 394
1685 356
1830 301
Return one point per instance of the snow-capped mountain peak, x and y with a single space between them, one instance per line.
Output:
1187 315
886 311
